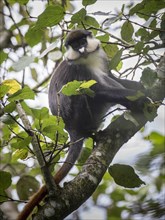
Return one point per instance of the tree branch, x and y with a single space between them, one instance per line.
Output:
37 149
109 141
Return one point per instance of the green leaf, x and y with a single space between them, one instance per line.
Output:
51 16
3 196
150 111
118 195
127 31
149 78
5 182
34 36
129 117
89 143
88 84
85 88
50 126
162 26
10 107
79 16
84 155
21 144
156 138
88 2
139 47
158 141
40 114
143 33
34 74
26 187
13 84
26 108
103 38
78 88
116 60
21 2
5 178
146 8
3 56
6 119
22 63
119 66
3 90
25 93
137 8
71 88
154 34
146 49
6 132
125 176
91 21
20 153
53 122
111 50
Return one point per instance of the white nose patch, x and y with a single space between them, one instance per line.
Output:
81 50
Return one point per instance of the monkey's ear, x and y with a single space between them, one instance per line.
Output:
90 33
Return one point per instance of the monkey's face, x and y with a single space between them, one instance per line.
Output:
80 44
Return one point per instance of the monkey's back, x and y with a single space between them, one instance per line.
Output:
80 113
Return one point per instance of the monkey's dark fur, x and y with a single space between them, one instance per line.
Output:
83 114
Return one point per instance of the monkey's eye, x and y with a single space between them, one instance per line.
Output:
76 45
83 42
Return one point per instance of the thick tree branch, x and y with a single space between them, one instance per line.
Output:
109 141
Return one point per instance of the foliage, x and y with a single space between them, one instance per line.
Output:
25 69
78 88
125 175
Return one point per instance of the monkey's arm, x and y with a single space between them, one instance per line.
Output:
129 84
121 96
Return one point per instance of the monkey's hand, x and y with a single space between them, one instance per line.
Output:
143 105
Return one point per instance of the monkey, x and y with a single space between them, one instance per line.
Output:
82 114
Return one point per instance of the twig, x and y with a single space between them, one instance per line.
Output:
110 112
37 149
13 200
113 36
140 25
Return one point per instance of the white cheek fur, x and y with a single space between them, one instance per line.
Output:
92 43
71 54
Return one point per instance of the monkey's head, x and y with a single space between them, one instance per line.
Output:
80 44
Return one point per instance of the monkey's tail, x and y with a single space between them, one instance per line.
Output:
74 152
34 201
